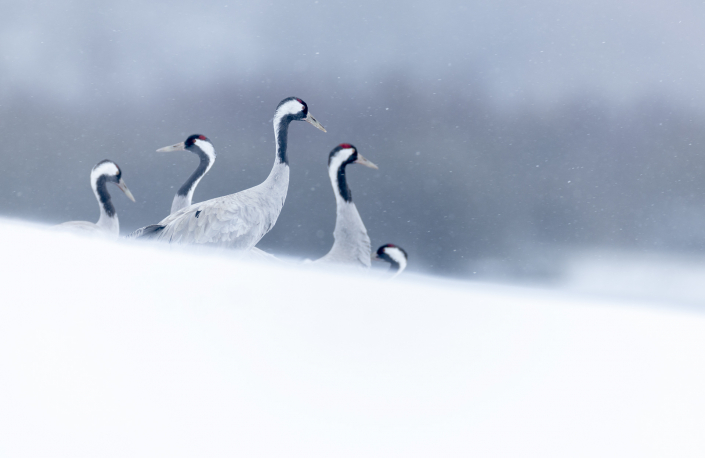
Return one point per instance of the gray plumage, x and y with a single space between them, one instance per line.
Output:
235 221
203 148
352 244
238 220
108 225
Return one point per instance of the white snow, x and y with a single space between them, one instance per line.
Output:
640 276
114 349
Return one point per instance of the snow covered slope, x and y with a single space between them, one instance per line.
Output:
659 277
116 350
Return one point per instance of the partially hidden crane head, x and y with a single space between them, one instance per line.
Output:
394 255
108 171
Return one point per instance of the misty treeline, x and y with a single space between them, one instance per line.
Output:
462 179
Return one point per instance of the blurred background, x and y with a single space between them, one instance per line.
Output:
510 135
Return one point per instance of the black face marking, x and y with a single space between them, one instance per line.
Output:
110 178
342 146
202 166
289 99
101 189
343 189
382 254
198 213
192 139
282 128
103 194
295 116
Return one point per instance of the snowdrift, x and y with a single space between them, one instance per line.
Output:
117 349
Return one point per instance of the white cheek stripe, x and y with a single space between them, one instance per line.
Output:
290 107
207 148
342 156
397 255
107 168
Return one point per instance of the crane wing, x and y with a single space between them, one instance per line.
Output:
235 221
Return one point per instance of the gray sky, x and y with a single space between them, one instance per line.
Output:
81 51
502 129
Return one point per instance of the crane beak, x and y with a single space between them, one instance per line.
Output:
168 149
362 161
123 187
311 120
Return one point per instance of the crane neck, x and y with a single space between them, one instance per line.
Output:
340 186
281 134
108 217
351 244
184 195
